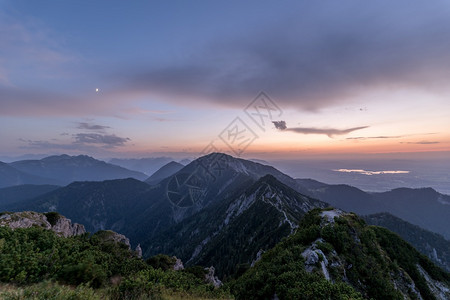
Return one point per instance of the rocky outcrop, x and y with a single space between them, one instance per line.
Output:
258 257
178 264
111 236
211 278
439 290
314 257
51 221
138 251
65 227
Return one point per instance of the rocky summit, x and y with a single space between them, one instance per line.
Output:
52 221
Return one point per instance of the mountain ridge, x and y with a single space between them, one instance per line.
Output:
266 211
65 169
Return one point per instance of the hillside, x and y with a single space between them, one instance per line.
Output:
37 263
335 255
330 254
431 244
10 196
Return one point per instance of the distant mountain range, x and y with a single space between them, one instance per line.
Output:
62 170
11 196
216 206
423 207
10 176
144 165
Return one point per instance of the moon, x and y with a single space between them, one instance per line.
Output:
96 90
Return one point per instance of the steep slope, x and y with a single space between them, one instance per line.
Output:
66 169
234 231
16 194
426 242
333 254
10 176
165 171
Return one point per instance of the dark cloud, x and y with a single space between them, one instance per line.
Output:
100 139
312 55
327 131
90 126
281 125
316 56
330 132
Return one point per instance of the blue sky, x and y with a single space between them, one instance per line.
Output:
172 75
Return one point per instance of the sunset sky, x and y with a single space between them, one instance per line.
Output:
144 78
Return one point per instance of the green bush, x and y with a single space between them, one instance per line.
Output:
161 261
52 217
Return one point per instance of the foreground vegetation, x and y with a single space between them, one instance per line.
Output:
37 264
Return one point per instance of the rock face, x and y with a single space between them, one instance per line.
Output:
138 251
51 221
66 228
314 256
178 264
211 278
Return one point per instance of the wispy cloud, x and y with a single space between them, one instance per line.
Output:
330 132
421 142
91 126
375 137
388 136
100 139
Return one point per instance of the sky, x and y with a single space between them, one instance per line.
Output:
266 79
